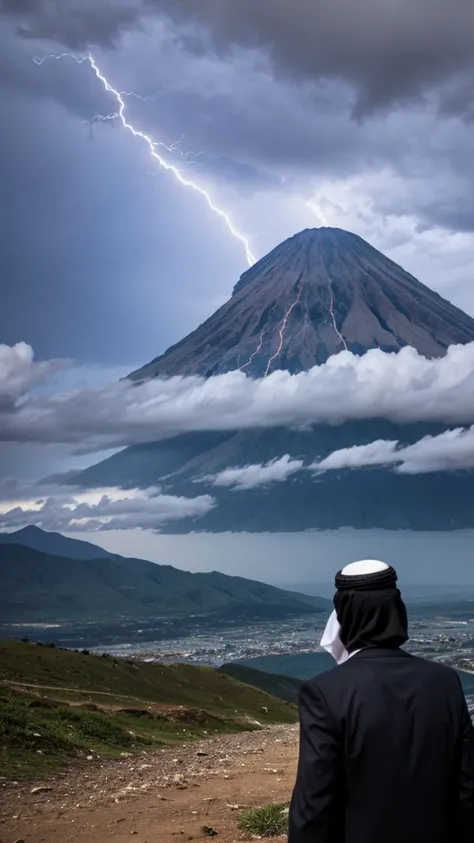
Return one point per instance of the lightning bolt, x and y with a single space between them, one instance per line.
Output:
282 333
103 118
331 311
254 354
137 133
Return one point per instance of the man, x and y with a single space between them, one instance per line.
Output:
386 740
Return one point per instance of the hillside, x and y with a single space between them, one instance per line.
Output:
55 544
58 705
369 497
39 588
316 294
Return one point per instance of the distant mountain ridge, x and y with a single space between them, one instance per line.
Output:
55 544
44 588
317 293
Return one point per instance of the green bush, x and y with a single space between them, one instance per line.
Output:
269 821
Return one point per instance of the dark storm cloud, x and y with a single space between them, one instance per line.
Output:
390 51
234 119
76 23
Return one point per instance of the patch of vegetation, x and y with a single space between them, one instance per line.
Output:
269 821
57 706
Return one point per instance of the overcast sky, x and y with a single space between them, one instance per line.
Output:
352 113
359 108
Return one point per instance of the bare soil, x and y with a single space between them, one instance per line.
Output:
161 797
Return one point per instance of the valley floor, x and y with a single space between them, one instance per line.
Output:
165 796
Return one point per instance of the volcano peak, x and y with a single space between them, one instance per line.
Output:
319 292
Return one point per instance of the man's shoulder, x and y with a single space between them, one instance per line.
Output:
323 680
436 669
340 674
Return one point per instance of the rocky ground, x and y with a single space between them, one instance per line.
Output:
161 797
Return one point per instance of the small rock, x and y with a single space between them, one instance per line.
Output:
89 757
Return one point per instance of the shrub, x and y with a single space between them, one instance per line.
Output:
269 821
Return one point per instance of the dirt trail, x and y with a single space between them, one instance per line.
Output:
14 685
159 797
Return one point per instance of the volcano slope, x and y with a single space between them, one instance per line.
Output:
318 293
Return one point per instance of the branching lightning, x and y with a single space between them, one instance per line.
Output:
331 311
282 333
254 353
137 133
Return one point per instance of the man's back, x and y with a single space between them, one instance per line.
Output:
387 754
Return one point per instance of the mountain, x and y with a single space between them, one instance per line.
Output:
337 290
317 293
55 544
41 588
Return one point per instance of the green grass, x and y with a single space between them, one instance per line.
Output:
58 706
269 821
37 736
91 676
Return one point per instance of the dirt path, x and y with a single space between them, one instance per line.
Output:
14 685
162 797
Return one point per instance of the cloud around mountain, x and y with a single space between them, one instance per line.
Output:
451 450
253 476
402 387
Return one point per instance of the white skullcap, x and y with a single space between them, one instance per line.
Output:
365 566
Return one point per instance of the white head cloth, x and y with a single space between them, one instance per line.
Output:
331 641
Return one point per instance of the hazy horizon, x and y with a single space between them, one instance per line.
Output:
314 556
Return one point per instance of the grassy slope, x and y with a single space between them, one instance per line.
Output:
57 705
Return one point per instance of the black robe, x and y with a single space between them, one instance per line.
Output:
386 754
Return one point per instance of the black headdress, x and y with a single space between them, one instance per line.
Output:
370 609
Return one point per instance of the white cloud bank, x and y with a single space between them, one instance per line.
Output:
452 450
402 387
253 476
449 451
102 509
